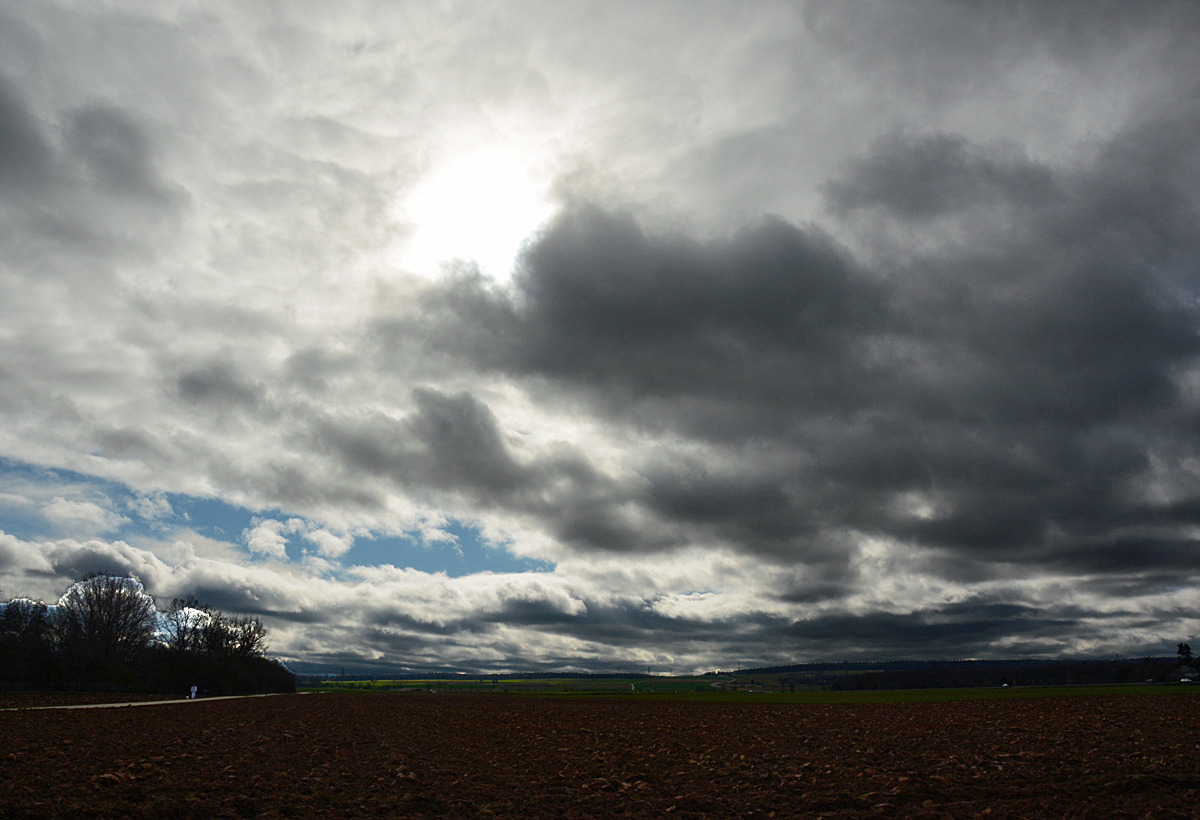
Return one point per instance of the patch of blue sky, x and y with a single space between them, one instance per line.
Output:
218 520
38 503
27 492
21 518
468 554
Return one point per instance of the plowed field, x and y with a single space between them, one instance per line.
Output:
416 755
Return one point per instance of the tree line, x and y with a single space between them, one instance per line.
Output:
106 633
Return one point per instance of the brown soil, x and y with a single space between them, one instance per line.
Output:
26 700
392 755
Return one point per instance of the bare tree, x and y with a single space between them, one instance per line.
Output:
251 637
237 636
106 631
25 640
215 635
184 623
105 620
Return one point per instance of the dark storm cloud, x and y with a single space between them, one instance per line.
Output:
775 316
628 624
449 442
747 327
244 601
381 619
25 156
98 146
1002 397
219 385
1137 554
115 152
962 629
953 630
919 178
463 443
452 444
129 443
948 48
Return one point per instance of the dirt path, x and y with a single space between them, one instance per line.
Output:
119 704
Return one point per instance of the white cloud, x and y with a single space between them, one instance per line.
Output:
153 507
204 292
328 544
266 538
499 621
82 515
18 559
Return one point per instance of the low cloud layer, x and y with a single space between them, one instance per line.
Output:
856 331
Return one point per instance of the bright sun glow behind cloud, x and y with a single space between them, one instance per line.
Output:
480 206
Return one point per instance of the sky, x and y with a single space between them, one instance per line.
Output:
584 336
